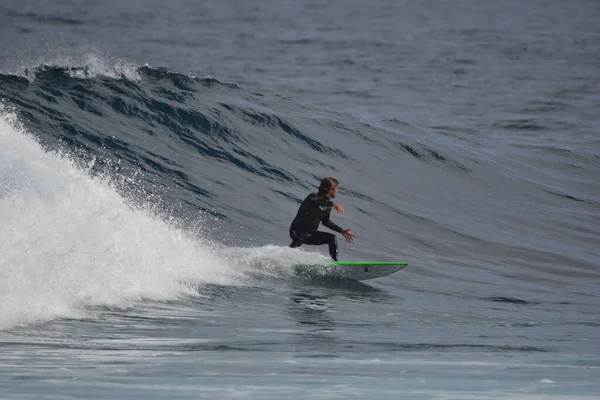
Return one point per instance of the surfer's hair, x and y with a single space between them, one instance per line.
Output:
327 184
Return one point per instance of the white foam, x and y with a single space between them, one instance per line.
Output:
272 260
68 240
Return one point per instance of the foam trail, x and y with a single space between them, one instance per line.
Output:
68 241
271 260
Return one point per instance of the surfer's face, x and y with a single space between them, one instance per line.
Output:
332 192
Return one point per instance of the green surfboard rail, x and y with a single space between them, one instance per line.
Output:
370 263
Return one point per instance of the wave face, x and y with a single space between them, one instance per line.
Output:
142 183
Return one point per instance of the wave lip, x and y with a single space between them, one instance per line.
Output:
89 63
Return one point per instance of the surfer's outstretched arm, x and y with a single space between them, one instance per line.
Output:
331 225
346 233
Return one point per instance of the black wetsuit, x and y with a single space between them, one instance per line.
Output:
314 210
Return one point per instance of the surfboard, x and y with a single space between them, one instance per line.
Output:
354 270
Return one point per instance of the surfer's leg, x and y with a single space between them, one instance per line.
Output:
318 238
333 247
296 239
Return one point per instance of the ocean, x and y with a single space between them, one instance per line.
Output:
154 154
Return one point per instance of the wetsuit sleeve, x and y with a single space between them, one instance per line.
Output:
330 224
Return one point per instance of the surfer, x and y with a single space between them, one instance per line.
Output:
314 210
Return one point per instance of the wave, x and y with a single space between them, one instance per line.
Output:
161 122
71 241
125 183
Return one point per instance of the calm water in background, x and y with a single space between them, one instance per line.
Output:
145 206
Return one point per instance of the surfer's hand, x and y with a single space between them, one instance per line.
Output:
338 208
348 235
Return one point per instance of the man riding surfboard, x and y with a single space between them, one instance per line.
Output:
315 209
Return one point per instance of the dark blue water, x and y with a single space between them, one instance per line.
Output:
152 158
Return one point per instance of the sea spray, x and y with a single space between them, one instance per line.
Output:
69 240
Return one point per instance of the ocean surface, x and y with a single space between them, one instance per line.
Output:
153 155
